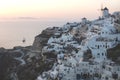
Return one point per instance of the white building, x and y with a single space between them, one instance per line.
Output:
106 12
100 36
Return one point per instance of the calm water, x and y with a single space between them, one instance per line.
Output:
13 32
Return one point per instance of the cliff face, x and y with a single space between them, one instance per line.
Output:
23 63
6 63
41 39
114 54
26 63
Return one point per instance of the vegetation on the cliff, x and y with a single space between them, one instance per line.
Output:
87 55
114 54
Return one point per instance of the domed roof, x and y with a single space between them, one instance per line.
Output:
105 8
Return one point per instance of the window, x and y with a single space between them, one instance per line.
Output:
102 54
109 69
64 69
103 45
118 69
106 46
83 65
98 46
95 45
98 55
90 70
68 72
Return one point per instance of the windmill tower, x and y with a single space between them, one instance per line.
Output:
105 12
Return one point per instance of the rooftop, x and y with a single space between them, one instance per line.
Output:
105 8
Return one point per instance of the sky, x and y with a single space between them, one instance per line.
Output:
55 9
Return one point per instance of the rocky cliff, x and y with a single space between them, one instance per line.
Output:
114 54
26 63
41 39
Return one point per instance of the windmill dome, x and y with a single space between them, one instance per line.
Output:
105 8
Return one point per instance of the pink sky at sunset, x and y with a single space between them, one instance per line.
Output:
55 8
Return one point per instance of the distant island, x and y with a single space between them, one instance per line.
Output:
86 50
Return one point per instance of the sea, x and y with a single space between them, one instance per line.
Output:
13 32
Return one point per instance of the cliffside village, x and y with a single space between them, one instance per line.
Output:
82 49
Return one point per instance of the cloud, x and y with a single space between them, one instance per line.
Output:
27 18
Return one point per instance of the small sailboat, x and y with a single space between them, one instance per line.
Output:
24 40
